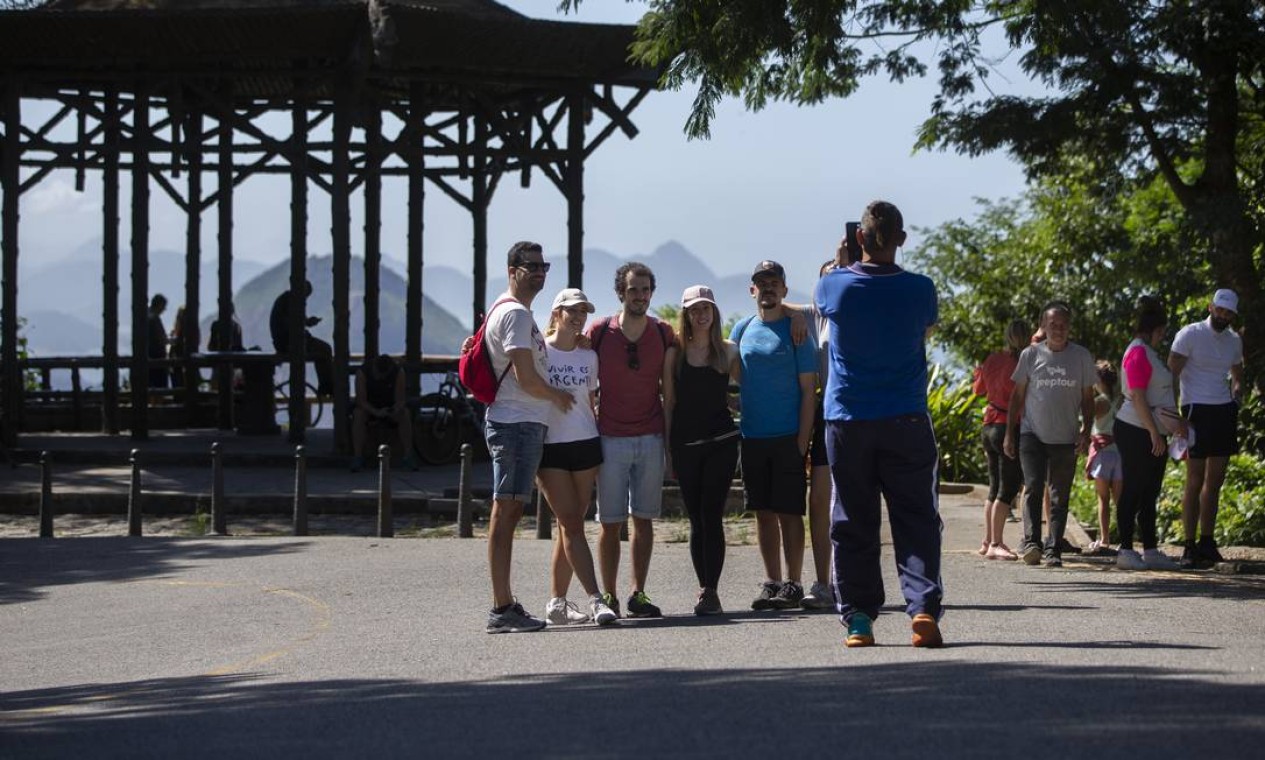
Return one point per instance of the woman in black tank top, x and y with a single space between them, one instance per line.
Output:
702 436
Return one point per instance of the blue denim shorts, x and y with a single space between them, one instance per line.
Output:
515 448
630 479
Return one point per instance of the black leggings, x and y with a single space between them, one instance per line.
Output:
705 473
1143 475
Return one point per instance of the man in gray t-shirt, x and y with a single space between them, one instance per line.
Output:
1054 384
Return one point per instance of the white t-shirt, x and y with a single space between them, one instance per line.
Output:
1209 356
511 326
1056 385
574 371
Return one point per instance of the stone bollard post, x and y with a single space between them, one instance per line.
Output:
134 496
46 495
386 516
300 491
544 523
465 507
219 522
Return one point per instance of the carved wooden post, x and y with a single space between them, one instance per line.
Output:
219 523
465 518
134 496
386 516
544 527
46 495
300 492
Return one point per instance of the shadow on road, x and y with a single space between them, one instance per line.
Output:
855 710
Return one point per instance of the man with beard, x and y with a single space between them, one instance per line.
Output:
514 431
1203 355
630 346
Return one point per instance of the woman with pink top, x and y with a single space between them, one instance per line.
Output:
1146 417
992 380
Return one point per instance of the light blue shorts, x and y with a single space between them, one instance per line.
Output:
515 448
1107 465
630 480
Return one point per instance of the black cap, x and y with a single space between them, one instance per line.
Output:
769 266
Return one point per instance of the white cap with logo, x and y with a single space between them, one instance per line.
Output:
1226 299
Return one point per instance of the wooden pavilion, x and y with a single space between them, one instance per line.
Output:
171 94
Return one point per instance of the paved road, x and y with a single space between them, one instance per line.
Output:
337 647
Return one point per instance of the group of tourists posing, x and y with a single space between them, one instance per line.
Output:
1048 401
627 398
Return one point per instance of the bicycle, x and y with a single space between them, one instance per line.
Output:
442 420
312 403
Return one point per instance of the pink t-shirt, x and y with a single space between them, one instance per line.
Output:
629 402
1137 368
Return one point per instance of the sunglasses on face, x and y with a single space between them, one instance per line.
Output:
634 362
533 266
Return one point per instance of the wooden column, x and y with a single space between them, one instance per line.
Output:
414 319
224 241
574 182
373 226
110 266
140 263
298 271
9 209
340 231
479 199
193 261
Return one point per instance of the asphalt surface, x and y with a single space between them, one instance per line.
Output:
363 647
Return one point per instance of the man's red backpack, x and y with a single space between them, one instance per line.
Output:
474 368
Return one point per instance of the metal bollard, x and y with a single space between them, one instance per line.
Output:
219 522
46 495
386 517
300 492
465 517
544 524
134 496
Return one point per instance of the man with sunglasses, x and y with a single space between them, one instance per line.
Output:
514 431
630 347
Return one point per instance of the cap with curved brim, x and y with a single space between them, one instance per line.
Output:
570 297
697 294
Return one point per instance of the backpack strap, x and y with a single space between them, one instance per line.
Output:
602 326
739 328
484 337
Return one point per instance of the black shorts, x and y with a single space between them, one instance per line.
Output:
1216 429
773 476
817 449
572 456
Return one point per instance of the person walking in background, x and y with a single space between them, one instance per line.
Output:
1204 354
702 436
1103 463
879 436
514 426
156 341
568 465
631 348
1141 431
1054 384
992 380
777 383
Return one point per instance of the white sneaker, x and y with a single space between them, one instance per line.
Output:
561 612
819 597
601 614
1158 560
1128 559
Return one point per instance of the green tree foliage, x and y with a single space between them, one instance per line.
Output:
1174 90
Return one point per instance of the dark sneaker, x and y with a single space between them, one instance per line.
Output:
788 596
639 606
514 619
1207 551
1031 555
927 631
860 631
708 603
1190 556
1051 559
768 592
611 601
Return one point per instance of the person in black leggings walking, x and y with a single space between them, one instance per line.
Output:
702 436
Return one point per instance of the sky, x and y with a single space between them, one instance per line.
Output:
776 184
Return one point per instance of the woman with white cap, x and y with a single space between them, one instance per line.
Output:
572 453
702 436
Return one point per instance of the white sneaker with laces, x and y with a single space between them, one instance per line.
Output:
1154 559
561 612
819 597
601 614
1129 559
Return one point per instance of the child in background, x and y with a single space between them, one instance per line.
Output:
1103 463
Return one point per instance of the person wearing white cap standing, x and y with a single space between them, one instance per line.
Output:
1204 355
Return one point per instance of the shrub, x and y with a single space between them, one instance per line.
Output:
956 415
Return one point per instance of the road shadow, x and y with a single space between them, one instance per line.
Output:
28 566
931 709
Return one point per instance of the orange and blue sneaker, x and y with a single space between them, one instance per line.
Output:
860 631
927 632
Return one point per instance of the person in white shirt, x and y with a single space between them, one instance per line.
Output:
1204 355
